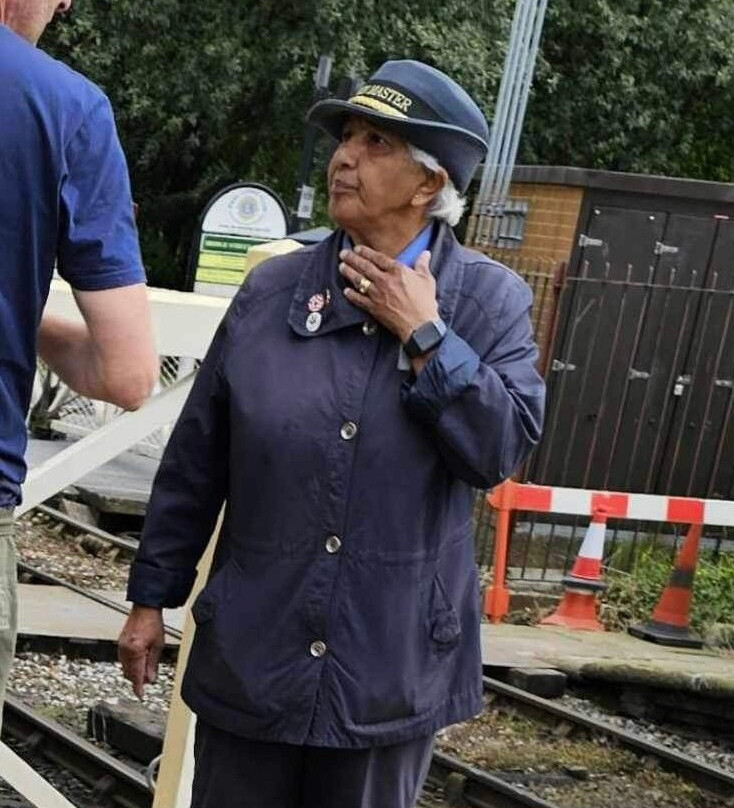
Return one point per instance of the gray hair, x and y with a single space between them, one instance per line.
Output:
448 204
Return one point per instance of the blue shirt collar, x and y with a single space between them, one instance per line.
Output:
410 254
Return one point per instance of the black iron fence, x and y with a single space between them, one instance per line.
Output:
545 277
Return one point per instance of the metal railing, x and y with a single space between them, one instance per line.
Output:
56 410
184 324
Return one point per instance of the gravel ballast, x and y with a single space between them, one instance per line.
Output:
64 689
720 754
76 558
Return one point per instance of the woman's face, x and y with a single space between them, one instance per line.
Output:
371 177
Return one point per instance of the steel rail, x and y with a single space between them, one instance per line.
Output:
129 545
478 788
85 593
108 776
710 778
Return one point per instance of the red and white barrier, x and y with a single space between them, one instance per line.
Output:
648 507
511 496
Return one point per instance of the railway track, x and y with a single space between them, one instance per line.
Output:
459 782
462 785
119 784
710 778
34 573
111 780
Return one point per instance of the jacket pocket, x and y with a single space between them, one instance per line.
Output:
205 605
215 664
395 645
249 646
443 623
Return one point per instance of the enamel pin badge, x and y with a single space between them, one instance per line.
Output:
313 321
316 304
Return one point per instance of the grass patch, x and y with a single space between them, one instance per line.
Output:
631 597
507 742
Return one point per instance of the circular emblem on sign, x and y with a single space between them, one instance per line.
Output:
247 207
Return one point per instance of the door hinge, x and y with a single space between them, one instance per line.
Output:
725 383
557 366
586 241
638 374
680 384
665 249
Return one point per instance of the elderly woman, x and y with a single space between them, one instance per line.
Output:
353 396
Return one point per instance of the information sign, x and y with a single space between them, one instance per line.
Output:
234 220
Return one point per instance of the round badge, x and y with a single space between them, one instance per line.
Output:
316 303
313 322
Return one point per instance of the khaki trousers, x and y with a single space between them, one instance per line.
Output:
8 600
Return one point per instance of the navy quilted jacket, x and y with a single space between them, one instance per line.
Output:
343 605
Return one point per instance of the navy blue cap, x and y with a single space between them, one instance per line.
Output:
422 105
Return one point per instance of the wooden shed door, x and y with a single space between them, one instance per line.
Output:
638 334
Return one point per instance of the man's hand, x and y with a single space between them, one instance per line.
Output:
140 645
398 297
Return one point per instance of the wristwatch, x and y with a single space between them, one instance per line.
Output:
425 338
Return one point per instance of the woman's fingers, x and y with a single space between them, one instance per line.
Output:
139 646
377 259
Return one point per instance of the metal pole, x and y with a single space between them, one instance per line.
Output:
515 58
523 48
500 115
301 215
525 94
527 25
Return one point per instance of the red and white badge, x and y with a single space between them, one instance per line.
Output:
316 302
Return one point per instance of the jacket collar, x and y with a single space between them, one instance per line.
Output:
320 276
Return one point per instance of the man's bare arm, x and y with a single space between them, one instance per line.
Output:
111 356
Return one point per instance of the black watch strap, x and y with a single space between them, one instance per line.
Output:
425 338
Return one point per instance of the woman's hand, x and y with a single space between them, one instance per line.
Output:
140 645
396 296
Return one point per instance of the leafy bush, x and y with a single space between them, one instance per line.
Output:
631 597
206 94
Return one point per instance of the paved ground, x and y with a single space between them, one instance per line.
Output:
53 611
608 656
121 486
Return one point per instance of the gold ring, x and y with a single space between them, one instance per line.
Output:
364 285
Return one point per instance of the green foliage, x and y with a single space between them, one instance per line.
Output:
635 85
713 600
208 93
631 598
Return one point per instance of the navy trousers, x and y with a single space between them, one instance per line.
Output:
233 772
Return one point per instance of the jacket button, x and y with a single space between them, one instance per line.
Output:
318 648
369 328
333 544
349 430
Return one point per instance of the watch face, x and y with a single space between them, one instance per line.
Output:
425 338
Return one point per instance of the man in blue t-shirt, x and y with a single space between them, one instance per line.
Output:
64 200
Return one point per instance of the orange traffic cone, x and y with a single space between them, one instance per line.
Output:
577 609
670 622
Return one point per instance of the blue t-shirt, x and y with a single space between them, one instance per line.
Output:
65 198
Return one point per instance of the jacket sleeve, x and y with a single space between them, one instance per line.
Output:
188 490
486 408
